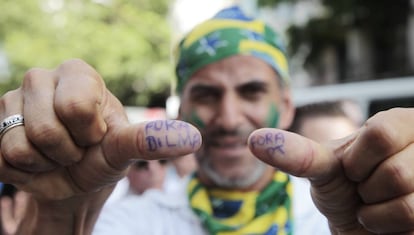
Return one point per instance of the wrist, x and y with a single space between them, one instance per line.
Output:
75 215
356 231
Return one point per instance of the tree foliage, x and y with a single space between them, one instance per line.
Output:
127 41
383 22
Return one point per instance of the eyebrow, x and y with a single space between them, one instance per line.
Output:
202 88
257 85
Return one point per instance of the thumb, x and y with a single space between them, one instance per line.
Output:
158 139
333 194
105 164
297 155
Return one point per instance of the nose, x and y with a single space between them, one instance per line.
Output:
229 112
154 166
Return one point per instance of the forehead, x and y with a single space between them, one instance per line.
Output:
317 129
234 71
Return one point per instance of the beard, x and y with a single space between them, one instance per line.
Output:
250 174
242 181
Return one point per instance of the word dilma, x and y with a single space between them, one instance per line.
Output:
170 134
168 141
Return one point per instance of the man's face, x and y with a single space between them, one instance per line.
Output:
227 100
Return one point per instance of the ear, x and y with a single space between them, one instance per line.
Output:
287 109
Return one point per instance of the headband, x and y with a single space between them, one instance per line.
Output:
230 32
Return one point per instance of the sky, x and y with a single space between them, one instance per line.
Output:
187 13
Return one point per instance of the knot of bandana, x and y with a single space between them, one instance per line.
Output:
226 212
229 32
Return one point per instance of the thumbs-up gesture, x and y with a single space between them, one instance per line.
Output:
66 139
363 183
76 137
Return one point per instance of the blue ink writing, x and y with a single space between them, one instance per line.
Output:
167 125
185 137
272 142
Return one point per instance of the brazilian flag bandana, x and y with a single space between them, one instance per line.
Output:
225 212
230 32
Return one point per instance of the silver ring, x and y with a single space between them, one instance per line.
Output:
10 122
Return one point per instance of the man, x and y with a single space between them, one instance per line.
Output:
224 87
76 143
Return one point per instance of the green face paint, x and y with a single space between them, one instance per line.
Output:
193 118
273 116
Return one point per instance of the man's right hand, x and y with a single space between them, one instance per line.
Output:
76 138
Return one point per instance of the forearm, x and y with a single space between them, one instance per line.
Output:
76 215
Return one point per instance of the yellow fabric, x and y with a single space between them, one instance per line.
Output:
211 26
247 219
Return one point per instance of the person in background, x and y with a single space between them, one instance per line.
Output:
322 122
13 206
178 171
328 120
67 141
148 192
144 175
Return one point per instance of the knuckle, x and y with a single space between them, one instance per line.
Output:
72 63
78 65
31 77
19 156
407 210
48 139
353 170
8 99
397 175
74 107
8 96
44 135
380 133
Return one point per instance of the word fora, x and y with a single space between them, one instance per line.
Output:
272 142
184 136
166 125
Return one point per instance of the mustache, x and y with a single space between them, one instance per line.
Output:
219 132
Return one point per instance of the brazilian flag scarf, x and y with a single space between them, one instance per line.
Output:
224 212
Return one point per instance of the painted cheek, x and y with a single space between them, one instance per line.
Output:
195 119
273 116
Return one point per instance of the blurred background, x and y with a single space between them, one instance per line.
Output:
358 49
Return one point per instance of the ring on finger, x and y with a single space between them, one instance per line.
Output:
10 122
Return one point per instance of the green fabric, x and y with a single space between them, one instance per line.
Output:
229 33
264 212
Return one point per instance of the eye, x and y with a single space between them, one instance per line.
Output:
205 95
253 91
